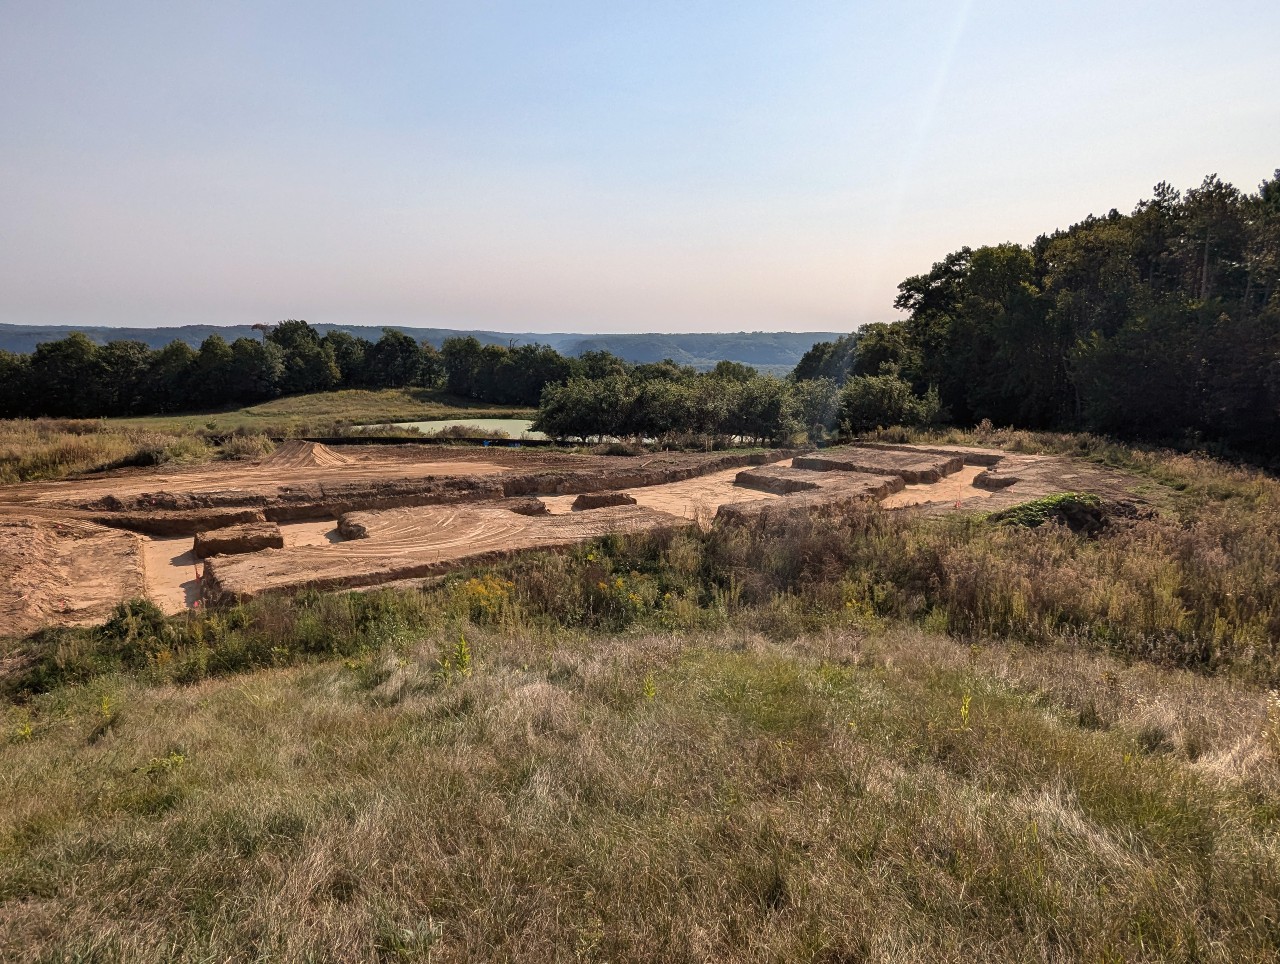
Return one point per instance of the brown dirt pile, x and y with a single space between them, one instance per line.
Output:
914 467
297 454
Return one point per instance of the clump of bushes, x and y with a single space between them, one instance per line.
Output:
873 401
246 445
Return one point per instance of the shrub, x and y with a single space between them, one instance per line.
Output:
872 401
252 445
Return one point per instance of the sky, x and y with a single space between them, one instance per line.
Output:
587 166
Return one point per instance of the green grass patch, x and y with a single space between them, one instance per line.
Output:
323 412
1037 512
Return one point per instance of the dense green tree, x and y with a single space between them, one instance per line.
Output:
169 379
829 359
256 371
817 406
66 378
211 374
875 401
348 355
309 364
15 385
431 372
394 361
461 357
122 378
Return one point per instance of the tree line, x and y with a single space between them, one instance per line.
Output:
74 377
670 402
1161 324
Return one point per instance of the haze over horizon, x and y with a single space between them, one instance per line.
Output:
683 167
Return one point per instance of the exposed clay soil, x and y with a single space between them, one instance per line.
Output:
371 515
64 573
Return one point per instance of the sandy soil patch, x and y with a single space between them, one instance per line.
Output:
699 499
174 573
694 499
69 573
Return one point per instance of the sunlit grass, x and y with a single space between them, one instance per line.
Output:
314 414
874 796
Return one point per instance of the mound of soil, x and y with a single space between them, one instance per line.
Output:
775 479
601 500
251 537
526 506
1079 511
299 454
994 482
915 468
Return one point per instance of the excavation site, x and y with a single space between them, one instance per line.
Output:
347 517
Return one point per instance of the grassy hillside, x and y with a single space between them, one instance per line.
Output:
35 449
307 413
875 737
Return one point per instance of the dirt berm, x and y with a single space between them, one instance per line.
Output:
186 513
601 500
243 538
914 467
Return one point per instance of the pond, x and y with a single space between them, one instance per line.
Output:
515 428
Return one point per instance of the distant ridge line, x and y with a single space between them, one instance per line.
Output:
771 351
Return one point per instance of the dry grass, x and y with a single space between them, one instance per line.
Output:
845 796
330 412
31 450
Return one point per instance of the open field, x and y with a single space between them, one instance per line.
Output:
308 414
37 449
859 794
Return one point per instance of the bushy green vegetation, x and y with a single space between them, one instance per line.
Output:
76 378
675 405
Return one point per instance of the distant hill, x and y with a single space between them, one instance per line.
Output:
770 351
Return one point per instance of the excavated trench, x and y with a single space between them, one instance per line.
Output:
315 517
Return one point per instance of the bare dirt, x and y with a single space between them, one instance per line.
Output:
958 487
412 543
368 515
69 573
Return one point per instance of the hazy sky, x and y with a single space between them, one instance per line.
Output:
588 166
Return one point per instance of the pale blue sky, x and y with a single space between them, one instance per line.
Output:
587 166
